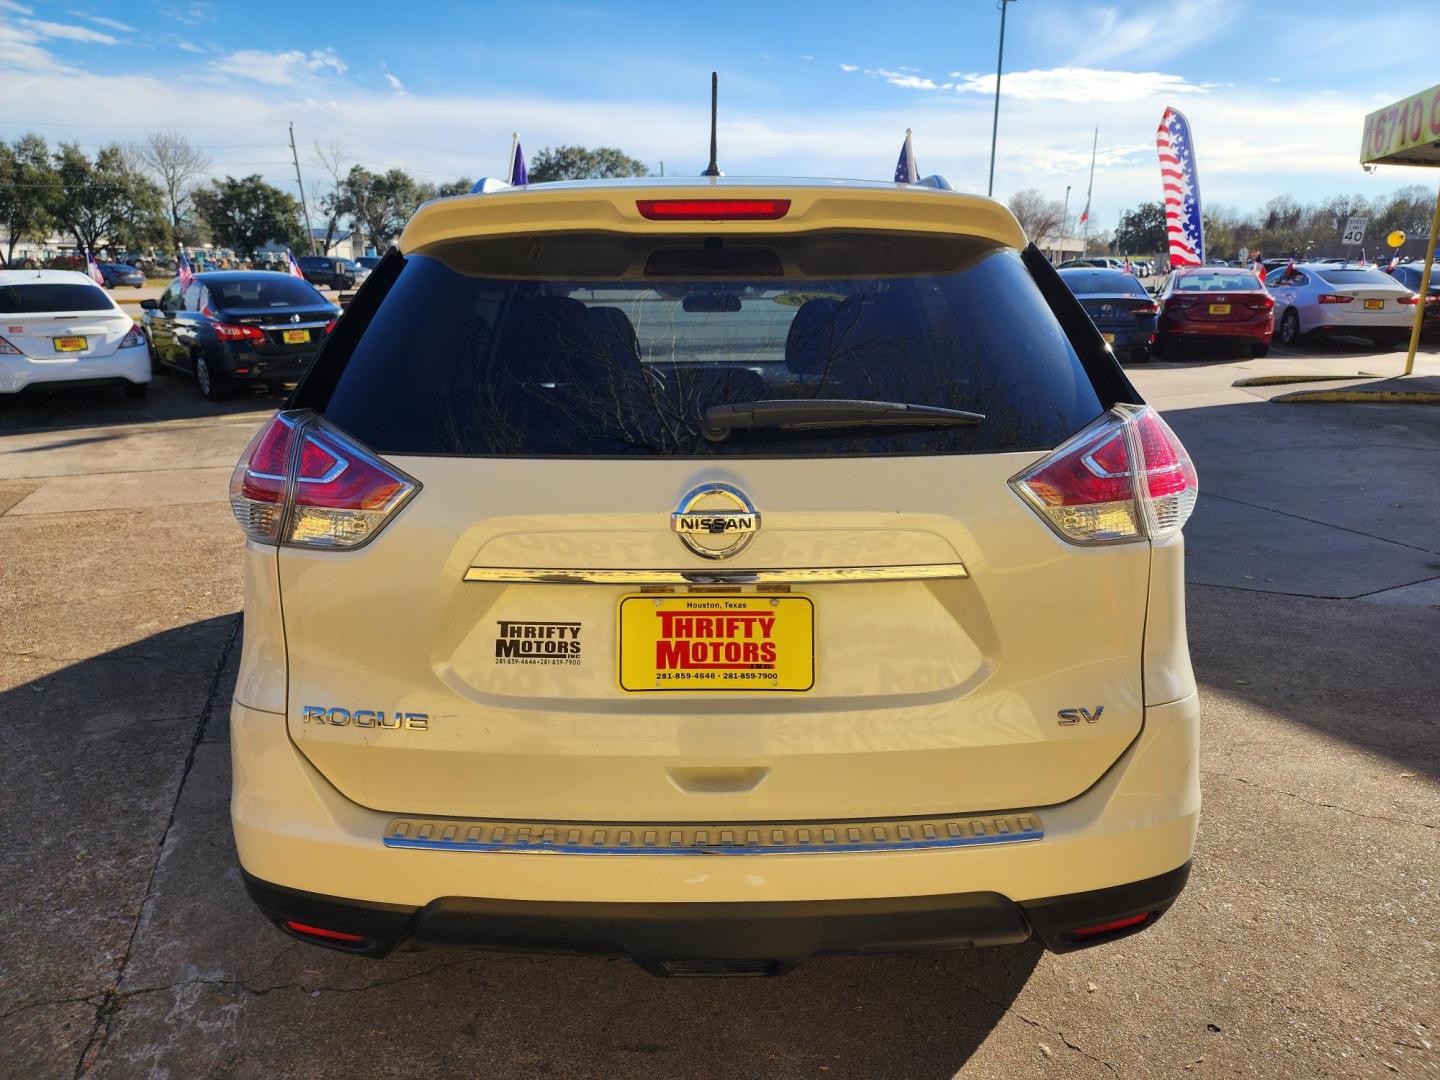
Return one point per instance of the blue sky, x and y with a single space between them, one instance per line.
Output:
1276 93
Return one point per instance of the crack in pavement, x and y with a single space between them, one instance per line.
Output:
1316 802
1189 583
88 999
261 991
112 999
1009 1010
1316 521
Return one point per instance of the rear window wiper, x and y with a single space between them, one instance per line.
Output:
720 420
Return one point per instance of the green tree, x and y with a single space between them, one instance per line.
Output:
244 214
381 204
1142 230
580 163
106 202
461 186
29 189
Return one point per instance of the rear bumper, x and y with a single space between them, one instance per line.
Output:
124 365
242 363
738 938
1250 331
314 855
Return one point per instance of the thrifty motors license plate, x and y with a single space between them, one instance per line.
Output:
296 337
1219 309
717 643
1109 338
1374 305
71 344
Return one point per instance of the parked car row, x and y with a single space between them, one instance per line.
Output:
1222 305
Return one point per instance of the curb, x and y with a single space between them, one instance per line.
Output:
1380 397
1285 380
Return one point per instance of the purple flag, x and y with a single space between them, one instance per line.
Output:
518 176
905 170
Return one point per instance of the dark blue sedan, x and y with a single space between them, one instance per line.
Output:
231 327
116 274
1120 308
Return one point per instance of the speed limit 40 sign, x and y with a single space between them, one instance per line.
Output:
1355 230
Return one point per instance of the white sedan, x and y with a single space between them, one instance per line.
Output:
58 326
1330 298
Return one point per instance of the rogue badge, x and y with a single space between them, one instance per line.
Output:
715 521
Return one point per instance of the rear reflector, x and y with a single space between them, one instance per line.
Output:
1109 927
1124 477
302 482
321 932
713 209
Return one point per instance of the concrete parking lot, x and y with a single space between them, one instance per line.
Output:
1306 944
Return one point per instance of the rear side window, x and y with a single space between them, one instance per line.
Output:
50 296
1092 282
600 345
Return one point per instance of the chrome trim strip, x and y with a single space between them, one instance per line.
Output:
742 838
290 326
634 578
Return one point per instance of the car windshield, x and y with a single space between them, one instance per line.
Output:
1095 282
604 345
47 296
271 291
1353 275
1216 281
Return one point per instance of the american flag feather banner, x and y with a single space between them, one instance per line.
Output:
1183 225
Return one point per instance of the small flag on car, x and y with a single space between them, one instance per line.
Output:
519 177
294 266
93 268
183 271
905 170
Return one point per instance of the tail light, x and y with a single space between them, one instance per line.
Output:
1262 303
301 482
1334 298
6 349
329 326
133 337
1124 477
1412 300
232 332
1145 309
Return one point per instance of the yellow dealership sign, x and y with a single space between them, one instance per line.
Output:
1405 133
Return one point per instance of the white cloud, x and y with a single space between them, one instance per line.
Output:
395 84
113 24
1109 33
45 29
280 68
849 67
23 53
1081 85
188 46
807 57
909 82
19 9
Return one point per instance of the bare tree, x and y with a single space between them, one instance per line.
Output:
1041 218
334 201
172 160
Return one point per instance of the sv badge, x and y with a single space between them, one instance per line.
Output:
1074 716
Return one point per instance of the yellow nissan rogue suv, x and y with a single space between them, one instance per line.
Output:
714 572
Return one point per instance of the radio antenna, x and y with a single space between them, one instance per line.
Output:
713 169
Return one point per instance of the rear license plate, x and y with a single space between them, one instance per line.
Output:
71 344
1109 338
717 643
295 337
1219 309
1374 305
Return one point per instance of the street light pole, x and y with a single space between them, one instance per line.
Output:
999 67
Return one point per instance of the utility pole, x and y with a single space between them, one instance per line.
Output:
1065 223
305 210
1090 191
999 67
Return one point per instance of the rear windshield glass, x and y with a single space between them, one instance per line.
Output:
272 291
1356 276
1093 282
1216 282
606 345
50 296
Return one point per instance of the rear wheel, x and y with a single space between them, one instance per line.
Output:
1289 332
1259 349
1160 345
212 383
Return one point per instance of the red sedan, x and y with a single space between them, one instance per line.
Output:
1214 304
